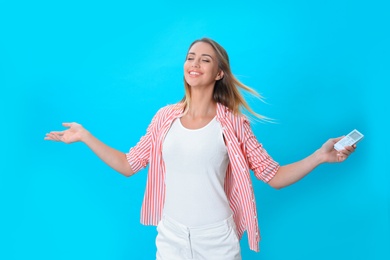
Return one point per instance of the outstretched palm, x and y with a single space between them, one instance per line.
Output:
70 135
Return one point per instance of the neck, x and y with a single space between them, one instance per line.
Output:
202 104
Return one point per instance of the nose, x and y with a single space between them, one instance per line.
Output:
195 63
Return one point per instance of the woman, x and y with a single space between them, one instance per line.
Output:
200 151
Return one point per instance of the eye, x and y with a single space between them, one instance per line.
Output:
206 60
190 58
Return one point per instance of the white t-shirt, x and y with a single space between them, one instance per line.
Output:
195 163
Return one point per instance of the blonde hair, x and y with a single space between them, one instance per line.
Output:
226 90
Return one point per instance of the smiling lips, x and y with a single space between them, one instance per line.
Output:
194 73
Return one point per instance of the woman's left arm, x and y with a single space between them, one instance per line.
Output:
291 173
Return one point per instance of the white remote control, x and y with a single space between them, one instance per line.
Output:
348 140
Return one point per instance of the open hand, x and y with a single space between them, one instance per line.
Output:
74 133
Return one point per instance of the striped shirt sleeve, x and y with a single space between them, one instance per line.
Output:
259 161
139 155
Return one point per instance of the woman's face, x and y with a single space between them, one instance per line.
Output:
201 66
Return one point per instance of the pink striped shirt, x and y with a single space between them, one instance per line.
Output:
245 154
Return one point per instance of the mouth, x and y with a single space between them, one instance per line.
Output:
194 73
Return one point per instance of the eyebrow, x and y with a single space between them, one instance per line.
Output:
208 55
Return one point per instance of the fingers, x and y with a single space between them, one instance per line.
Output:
58 135
347 151
54 136
72 125
335 140
57 132
341 157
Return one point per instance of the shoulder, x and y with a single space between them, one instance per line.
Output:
169 111
236 119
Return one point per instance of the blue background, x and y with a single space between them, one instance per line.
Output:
323 67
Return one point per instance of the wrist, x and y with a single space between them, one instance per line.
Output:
319 157
85 136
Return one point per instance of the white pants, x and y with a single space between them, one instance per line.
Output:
212 242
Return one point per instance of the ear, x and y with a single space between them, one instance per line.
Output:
219 75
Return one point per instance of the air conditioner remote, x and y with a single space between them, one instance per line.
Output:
348 140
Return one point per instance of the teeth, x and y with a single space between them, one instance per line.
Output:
194 73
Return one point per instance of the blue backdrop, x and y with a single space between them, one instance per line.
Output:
323 67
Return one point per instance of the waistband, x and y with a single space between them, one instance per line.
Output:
226 223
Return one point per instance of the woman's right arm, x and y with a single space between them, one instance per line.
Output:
77 133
